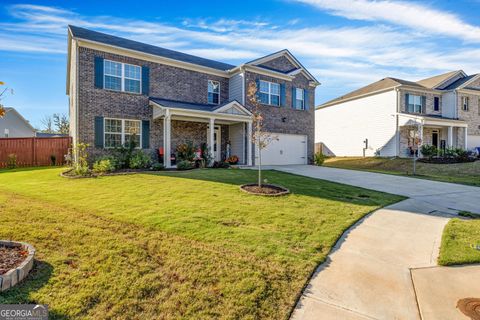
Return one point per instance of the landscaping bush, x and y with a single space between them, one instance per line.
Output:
157 166
185 152
184 165
81 164
140 160
232 159
220 165
319 158
104 165
429 151
12 161
53 160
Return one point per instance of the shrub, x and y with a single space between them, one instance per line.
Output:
157 166
206 157
53 160
429 151
81 162
232 159
319 158
184 165
12 161
220 165
103 166
140 160
185 152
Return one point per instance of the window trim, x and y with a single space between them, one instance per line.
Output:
269 93
122 77
408 104
465 103
302 99
122 134
436 108
219 90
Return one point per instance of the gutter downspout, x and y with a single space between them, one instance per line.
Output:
397 122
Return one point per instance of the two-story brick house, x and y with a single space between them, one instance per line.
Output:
168 98
385 117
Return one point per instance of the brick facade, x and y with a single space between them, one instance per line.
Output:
429 108
472 115
281 64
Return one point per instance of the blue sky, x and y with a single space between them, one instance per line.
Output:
345 44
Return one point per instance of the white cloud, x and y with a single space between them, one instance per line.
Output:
342 58
412 15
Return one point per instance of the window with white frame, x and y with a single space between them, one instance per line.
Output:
269 93
122 76
465 103
299 99
213 92
118 132
414 103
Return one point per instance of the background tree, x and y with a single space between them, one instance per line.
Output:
2 94
57 123
260 138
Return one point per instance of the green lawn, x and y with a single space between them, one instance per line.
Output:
463 173
173 245
458 238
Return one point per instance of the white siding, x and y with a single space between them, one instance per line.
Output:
15 125
343 128
449 105
235 88
237 141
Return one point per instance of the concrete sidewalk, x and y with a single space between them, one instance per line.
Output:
384 267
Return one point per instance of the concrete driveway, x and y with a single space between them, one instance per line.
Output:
384 267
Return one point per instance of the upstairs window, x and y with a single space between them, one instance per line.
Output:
415 104
213 92
119 131
299 99
436 104
465 101
122 76
269 93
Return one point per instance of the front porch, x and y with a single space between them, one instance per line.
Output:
188 122
430 130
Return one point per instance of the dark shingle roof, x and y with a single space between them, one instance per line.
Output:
460 82
86 34
188 105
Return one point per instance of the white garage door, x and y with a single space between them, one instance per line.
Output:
289 149
473 142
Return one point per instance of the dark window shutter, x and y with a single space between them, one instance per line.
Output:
145 80
99 72
406 102
305 99
424 103
99 132
145 134
283 102
294 97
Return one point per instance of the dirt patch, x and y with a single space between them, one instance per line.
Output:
470 307
11 257
265 189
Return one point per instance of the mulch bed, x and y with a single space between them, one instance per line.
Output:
264 190
11 257
446 160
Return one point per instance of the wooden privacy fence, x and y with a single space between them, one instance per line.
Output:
34 151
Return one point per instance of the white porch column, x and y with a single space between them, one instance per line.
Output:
420 135
450 137
211 138
249 143
465 140
167 129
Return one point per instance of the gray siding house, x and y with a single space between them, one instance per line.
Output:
13 125
168 97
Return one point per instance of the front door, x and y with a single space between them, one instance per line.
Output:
217 142
435 138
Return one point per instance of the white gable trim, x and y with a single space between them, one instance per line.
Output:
236 105
453 76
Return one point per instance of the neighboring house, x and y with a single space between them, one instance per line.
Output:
385 117
50 135
168 98
13 125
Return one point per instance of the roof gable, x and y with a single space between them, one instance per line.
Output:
462 82
268 62
439 80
